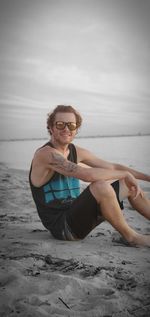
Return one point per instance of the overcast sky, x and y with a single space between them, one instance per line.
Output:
93 54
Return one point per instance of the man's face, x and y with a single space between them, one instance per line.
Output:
64 136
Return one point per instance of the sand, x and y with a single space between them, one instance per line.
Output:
41 276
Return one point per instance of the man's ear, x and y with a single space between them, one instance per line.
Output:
50 130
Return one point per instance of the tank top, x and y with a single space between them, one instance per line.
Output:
54 197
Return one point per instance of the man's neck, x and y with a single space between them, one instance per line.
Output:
63 148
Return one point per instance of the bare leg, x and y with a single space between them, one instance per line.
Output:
110 209
140 204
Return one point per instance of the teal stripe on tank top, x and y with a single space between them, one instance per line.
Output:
61 188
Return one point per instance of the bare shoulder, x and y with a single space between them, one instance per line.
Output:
53 159
41 171
43 165
44 153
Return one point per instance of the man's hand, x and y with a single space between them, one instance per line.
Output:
133 186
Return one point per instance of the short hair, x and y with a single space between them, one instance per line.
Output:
63 108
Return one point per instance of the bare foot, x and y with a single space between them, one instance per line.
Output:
140 240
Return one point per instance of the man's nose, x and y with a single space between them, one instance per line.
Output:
66 128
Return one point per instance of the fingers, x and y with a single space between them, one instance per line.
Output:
136 191
137 194
133 186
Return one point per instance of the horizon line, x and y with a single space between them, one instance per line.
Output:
80 137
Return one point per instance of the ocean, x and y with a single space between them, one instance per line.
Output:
133 151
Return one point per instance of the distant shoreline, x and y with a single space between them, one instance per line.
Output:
81 137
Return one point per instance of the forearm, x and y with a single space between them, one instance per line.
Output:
87 174
96 174
135 173
68 168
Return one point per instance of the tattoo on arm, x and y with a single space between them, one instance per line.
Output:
60 162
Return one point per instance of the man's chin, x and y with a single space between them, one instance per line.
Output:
66 139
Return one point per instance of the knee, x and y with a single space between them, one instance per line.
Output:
103 187
102 190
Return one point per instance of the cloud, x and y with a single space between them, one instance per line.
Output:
73 77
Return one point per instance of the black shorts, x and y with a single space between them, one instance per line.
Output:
82 216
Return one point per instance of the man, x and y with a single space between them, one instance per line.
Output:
54 179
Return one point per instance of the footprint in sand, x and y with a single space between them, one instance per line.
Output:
6 279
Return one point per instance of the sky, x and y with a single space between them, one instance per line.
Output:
92 54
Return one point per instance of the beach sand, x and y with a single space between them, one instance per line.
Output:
41 276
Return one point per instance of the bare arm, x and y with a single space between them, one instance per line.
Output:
62 165
135 173
91 160
58 163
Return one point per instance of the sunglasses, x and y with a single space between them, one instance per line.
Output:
60 125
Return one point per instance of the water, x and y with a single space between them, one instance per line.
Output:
132 151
